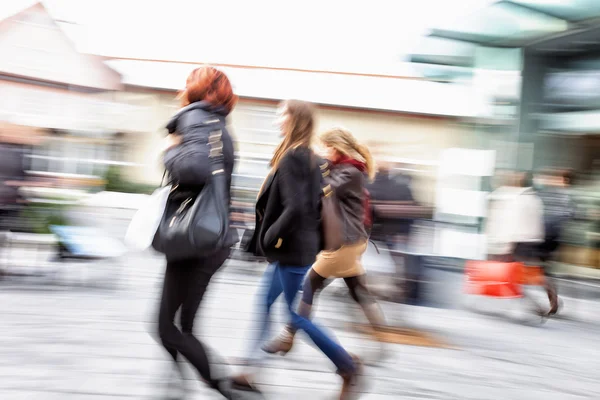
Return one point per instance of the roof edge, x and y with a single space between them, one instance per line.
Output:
321 105
262 67
26 79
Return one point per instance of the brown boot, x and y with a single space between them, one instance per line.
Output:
553 298
351 386
282 344
245 383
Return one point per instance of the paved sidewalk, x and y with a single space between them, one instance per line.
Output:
76 342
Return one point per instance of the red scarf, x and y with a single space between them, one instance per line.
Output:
361 166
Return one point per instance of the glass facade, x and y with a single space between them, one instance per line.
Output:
548 118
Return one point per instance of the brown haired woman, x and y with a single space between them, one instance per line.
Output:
350 166
287 217
207 100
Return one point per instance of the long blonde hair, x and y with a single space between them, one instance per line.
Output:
344 142
299 128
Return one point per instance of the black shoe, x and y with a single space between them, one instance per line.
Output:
232 389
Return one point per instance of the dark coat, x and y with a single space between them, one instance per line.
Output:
11 169
188 163
348 184
558 210
287 212
386 188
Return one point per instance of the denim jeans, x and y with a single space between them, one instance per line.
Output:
336 353
277 280
288 280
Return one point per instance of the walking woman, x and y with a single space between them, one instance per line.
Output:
349 166
207 100
515 229
287 217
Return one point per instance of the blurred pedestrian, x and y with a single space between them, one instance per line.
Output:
207 100
393 228
515 227
558 211
349 167
12 176
287 218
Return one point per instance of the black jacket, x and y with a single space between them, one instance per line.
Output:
558 210
188 163
11 169
348 184
387 188
287 212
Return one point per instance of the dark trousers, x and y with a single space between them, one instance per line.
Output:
184 286
409 270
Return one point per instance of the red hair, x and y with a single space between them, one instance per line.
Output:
210 85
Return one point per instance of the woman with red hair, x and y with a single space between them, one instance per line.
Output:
206 101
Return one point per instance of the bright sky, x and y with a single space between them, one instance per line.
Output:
364 36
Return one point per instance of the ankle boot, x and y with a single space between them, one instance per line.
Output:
352 381
283 343
375 316
553 298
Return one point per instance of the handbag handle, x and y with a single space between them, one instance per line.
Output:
162 181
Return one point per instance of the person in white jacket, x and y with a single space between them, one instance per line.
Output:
515 226
516 216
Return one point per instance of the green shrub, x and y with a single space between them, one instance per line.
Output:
116 183
38 217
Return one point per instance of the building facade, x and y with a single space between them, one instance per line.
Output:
46 84
415 141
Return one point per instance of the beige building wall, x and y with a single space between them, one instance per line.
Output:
395 135
252 123
414 140
143 131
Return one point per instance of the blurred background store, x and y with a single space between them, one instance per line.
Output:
496 85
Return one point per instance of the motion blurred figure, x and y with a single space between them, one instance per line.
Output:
392 227
558 211
287 229
349 167
206 101
12 175
515 226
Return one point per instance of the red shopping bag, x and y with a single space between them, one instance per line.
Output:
494 278
533 275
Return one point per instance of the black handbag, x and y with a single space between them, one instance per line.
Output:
199 226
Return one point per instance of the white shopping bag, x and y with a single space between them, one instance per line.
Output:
144 224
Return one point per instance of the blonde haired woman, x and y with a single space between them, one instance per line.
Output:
348 169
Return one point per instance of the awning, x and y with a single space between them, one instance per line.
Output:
505 24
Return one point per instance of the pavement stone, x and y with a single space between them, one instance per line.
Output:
75 341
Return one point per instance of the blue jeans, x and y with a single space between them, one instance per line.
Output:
336 353
288 280
277 280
